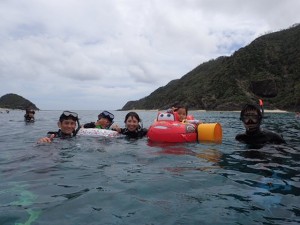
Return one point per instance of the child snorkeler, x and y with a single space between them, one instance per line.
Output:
105 120
181 114
181 111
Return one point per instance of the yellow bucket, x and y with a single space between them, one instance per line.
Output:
210 132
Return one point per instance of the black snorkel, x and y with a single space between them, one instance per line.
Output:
78 128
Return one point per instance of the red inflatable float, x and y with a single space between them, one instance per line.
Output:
167 129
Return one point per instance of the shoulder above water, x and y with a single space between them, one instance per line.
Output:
261 137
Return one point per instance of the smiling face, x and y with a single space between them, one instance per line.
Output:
67 126
132 123
181 113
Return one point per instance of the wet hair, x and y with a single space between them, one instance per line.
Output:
132 114
181 107
248 107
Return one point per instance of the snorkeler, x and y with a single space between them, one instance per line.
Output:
251 117
105 120
29 115
67 124
181 111
133 127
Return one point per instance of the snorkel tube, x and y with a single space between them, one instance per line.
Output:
78 127
261 104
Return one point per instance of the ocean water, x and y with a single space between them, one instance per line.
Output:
86 180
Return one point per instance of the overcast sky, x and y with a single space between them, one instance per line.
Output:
99 54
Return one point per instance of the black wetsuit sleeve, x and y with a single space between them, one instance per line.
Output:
241 138
123 131
141 133
261 137
52 132
59 134
144 132
274 138
134 134
90 125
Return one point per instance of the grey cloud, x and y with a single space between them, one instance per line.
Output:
103 48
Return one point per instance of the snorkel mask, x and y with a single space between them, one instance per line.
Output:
251 116
107 115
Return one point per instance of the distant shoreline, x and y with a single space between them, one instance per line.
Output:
266 111
157 110
201 110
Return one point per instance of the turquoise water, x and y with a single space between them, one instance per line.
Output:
85 181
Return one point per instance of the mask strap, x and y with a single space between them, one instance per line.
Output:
78 128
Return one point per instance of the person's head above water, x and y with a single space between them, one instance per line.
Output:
107 115
67 122
182 112
132 121
105 119
30 111
29 115
251 117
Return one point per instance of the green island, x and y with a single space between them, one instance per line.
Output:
268 69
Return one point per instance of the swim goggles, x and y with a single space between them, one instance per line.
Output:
69 113
107 115
247 118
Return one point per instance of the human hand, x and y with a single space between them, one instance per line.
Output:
116 128
47 139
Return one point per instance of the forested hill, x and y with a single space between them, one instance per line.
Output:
268 68
14 101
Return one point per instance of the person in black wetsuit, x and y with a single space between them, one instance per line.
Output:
67 124
251 117
29 116
133 127
105 120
